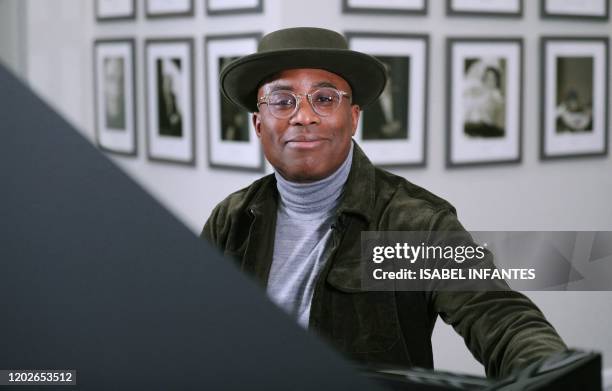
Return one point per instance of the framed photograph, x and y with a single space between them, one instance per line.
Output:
115 95
574 74
232 142
509 8
169 94
225 7
168 8
485 101
393 129
108 10
586 9
418 7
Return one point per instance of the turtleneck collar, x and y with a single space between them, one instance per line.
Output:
314 198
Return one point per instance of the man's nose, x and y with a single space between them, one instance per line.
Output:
305 115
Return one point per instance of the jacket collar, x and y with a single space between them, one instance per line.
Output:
265 201
358 197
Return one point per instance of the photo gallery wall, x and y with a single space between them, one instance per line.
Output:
484 79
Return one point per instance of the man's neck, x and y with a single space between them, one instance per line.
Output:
314 197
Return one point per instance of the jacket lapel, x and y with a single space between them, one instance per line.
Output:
257 258
354 216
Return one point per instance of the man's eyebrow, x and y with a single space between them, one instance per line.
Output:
287 87
325 84
278 87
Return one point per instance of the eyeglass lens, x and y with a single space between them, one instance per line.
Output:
324 101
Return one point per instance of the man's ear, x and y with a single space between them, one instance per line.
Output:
256 123
355 111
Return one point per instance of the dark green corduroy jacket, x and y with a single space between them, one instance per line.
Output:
504 330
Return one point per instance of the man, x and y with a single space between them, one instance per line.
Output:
298 230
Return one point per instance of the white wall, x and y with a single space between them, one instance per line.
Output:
535 195
12 35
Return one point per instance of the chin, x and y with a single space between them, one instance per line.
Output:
306 174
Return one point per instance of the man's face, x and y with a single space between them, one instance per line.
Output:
306 146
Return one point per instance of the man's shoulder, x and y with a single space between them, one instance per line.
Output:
241 199
405 191
405 205
230 212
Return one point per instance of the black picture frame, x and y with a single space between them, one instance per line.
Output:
117 17
162 15
451 42
450 11
150 43
545 43
130 112
347 8
257 9
418 60
544 14
250 150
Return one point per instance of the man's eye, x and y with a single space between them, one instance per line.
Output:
283 103
324 99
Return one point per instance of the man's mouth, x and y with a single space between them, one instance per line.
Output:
305 142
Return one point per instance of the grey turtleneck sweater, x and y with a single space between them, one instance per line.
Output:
303 228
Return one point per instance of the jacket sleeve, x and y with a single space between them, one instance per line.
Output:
213 227
503 329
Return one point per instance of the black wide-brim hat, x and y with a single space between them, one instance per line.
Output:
303 47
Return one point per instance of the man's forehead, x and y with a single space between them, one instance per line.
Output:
304 77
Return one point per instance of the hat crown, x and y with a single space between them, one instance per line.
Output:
302 38
302 47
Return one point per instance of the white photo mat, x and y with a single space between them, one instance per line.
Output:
115 140
466 150
597 8
390 5
491 6
409 151
568 144
115 9
226 153
161 147
168 7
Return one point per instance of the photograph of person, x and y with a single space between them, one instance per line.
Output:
483 97
234 120
298 230
574 94
232 196
387 117
168 93
114 100
114 93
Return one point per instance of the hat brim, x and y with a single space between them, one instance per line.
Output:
364 73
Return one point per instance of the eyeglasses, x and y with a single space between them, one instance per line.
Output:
284 104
